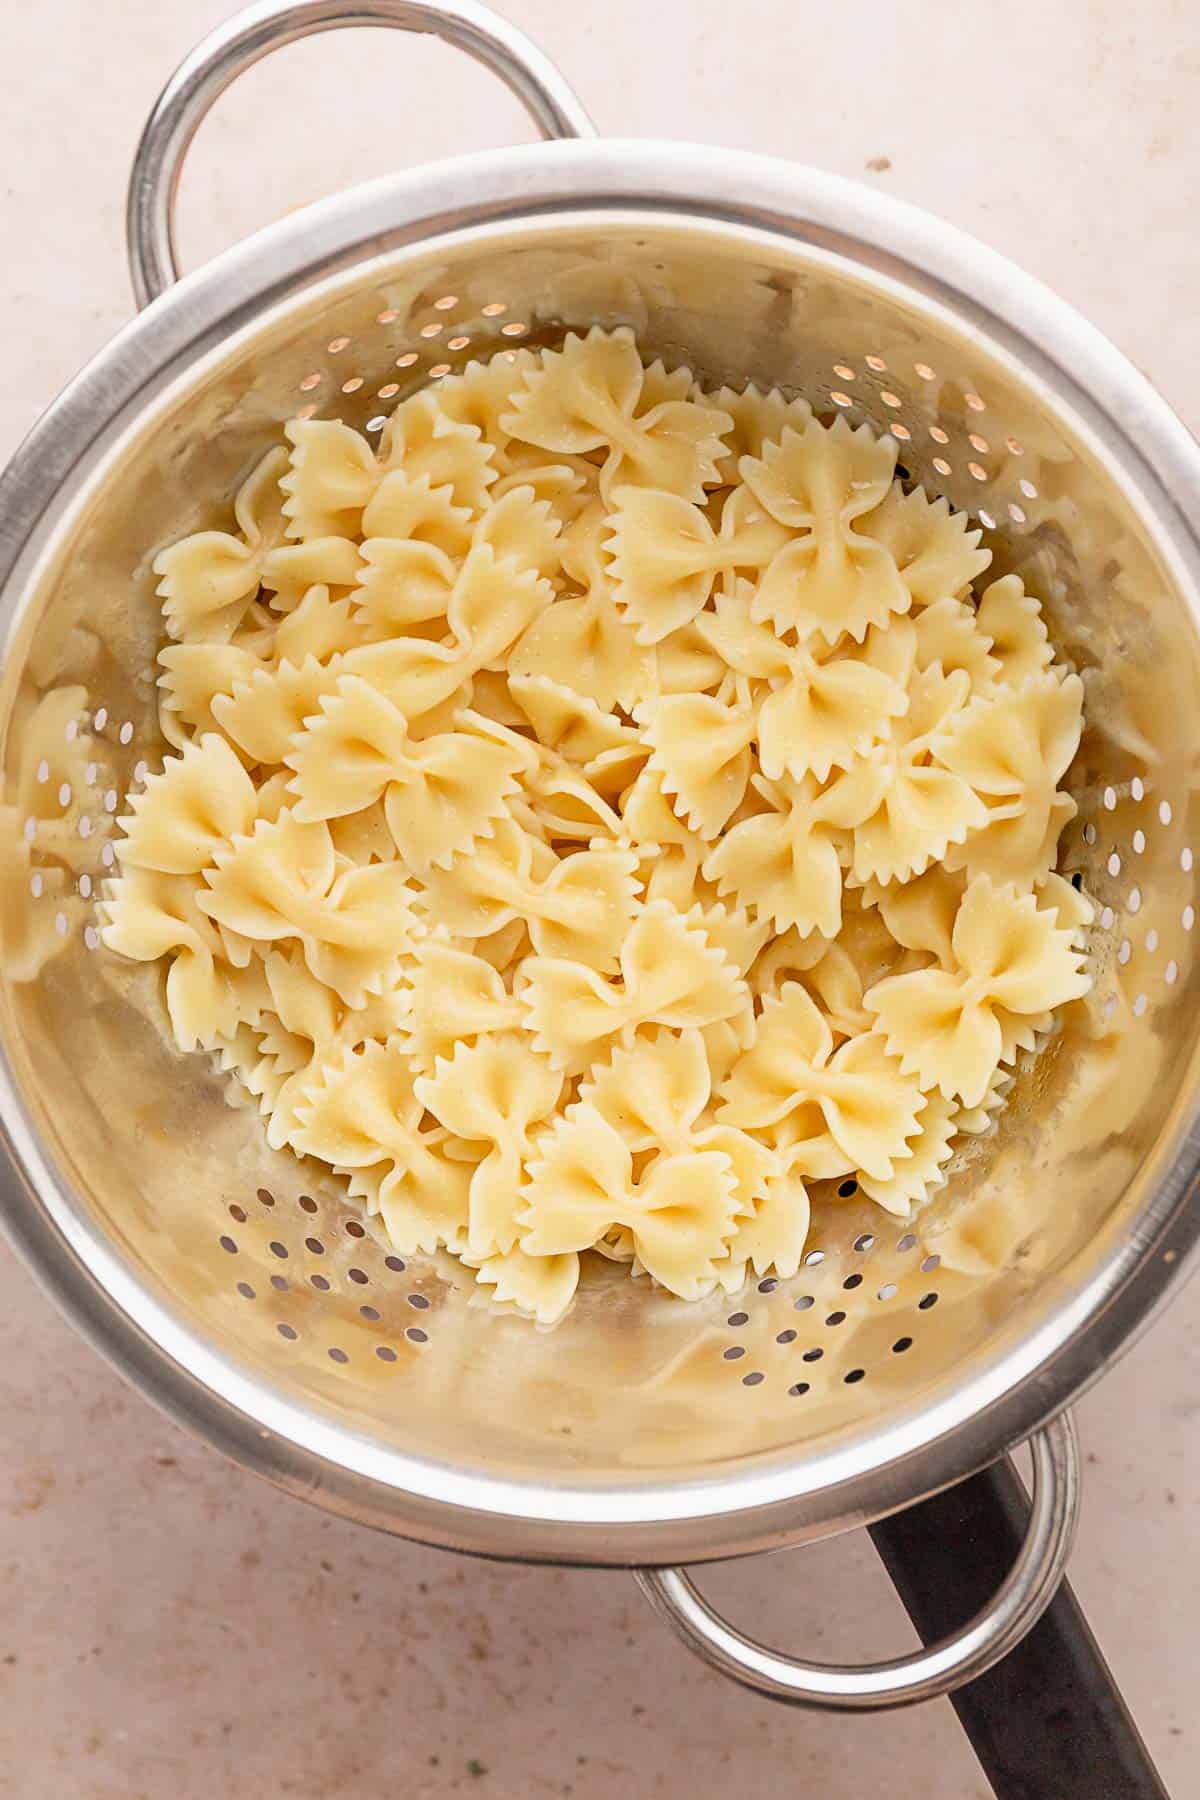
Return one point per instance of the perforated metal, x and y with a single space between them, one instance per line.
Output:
260 1257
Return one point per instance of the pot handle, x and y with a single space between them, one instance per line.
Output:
252 34
936 1670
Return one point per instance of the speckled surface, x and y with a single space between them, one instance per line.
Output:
172 1628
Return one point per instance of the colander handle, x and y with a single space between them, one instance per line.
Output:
934 1671
243 40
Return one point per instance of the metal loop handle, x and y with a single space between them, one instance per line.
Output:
929 1673
246 38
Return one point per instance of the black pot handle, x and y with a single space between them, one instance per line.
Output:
1047 1722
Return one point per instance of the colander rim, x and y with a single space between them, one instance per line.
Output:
540 189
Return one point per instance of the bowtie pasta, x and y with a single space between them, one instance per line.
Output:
600 815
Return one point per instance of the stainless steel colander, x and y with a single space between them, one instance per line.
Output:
235 1285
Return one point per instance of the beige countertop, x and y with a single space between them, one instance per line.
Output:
171 1627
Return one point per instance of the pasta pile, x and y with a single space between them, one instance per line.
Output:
602 813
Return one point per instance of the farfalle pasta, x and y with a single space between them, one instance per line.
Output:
828 1111
594 397
285 881
667 556
669 974
1012 750
936 551
1011 960
830 580
493 1093
680 1211
596 814
440 794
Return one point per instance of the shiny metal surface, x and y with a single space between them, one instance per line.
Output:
928 1673
630 1436
245 38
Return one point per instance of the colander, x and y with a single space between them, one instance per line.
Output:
235 1285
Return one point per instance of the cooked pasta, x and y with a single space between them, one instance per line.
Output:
599 813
